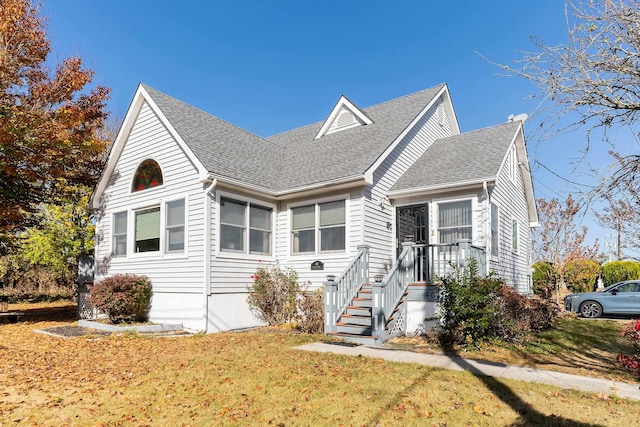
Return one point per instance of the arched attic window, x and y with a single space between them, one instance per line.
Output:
148 175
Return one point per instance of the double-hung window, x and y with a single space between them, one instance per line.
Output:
119 245
318 228
454 221
147 230
175 226
245 227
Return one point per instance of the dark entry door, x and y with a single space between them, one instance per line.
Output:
412 225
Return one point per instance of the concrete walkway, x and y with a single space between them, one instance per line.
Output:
498 370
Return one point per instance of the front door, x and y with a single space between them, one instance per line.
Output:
412 225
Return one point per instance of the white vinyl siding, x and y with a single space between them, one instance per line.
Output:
379 213
512 265
169 271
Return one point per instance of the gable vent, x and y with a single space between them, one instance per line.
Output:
345 115
346 119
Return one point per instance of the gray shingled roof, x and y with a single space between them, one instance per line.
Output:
291 159
224 149
467 157
348 153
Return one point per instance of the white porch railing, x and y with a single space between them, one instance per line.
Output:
416 263
340 292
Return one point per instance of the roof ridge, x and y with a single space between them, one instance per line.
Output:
294 129
405 96
147 87
484 128
362 109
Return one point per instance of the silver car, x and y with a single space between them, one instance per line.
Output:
619 298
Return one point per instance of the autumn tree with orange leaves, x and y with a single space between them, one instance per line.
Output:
49 123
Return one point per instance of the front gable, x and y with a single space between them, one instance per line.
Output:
141 100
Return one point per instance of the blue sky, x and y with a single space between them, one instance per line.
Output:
273 65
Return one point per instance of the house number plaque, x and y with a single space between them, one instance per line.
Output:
317 265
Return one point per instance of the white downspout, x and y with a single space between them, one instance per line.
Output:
206 274
487 226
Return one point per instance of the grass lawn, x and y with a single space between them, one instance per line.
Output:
258 378
577 346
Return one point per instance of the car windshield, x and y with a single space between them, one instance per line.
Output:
623 287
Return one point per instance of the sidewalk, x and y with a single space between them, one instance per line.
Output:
498 370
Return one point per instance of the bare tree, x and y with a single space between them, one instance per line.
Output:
596 74
559 239
622 217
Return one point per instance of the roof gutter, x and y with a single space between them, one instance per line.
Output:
307 190
419 191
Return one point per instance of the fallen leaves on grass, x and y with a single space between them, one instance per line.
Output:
250 378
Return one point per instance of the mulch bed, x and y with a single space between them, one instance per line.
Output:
71 331
74 331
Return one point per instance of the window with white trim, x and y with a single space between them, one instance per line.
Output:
514 234
147 230
119 244
495 229
318 228
236 217
174 226
454 221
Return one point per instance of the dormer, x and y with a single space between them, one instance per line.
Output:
345 115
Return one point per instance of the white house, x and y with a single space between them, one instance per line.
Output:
196 203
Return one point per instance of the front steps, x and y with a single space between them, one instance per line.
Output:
355 324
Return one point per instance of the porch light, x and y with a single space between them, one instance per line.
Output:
331 277
378 278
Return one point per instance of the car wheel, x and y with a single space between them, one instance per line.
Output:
591 309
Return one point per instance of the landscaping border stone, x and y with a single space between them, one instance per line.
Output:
137 328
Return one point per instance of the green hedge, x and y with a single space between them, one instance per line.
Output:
617 271
544 276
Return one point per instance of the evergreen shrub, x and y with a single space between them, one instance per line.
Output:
617 271
544 278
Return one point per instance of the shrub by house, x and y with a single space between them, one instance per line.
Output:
123 297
